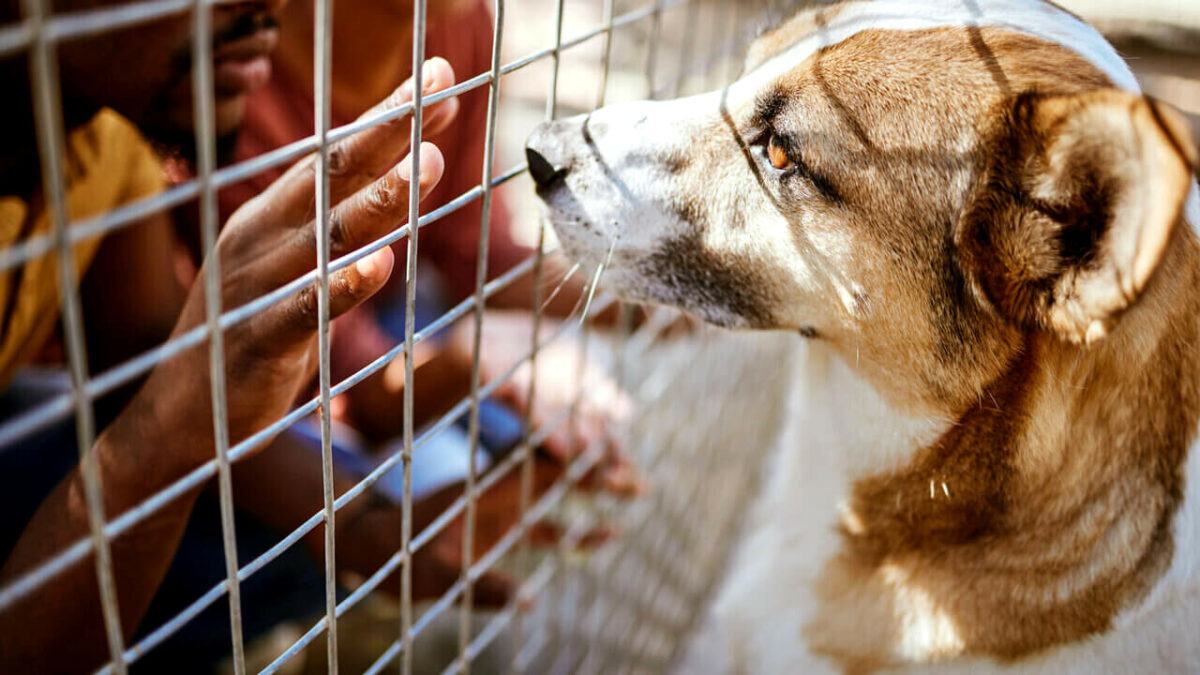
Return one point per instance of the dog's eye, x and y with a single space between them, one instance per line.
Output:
776 154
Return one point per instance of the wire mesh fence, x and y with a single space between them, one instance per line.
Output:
626 604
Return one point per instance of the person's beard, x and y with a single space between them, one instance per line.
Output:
177 142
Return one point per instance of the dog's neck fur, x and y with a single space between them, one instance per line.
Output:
903 524
1041 512
1034 517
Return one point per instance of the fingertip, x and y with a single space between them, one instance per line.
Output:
599 535
437 74
526 601
557 447
624 481
433 164
441 74
376 267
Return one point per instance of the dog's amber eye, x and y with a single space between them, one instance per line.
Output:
776 155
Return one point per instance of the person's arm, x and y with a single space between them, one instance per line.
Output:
371 406
130 295
166 430
131 298
283 486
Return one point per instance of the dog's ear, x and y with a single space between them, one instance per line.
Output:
1079 203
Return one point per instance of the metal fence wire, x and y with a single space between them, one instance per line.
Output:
629 605
624 606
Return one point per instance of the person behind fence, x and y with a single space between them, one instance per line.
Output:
371 54
118 89
371 50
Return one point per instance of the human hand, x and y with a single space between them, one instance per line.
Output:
365 543
271 240
602 408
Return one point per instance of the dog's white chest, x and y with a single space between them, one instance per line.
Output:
837 429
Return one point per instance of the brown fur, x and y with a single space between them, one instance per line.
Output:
1046 507
801 24
990 235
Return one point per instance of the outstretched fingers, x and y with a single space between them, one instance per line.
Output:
359 159
356 161
296 317
378 208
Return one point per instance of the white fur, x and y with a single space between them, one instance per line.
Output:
837 425
839 429
835 428
1030 17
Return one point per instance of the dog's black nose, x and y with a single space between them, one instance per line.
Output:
543 172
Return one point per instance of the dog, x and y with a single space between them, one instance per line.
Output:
985 237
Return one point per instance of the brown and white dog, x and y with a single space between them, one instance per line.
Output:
986 235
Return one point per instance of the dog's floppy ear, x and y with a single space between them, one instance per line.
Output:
1079 203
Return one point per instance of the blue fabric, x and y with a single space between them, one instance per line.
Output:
439 462
290 586
500 428
34 465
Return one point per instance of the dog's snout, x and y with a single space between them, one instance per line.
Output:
546 155
543 171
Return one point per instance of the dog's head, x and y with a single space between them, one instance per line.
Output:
917 185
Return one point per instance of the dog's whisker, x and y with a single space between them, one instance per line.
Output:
562 282
611 247
575 307
591 293
596 280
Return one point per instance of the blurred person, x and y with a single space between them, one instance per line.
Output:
165 429
371 52
371 55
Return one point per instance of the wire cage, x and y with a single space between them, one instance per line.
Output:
629 605
626 605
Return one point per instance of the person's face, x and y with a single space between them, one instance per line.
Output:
144 72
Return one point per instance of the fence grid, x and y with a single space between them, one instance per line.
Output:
584 636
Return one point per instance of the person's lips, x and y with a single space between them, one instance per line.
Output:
244 65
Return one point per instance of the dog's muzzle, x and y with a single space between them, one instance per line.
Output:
542 170
545 155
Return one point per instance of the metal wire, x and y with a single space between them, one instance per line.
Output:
125 373
526 448
662 610
652 46
322 102
51 146
135 211
531 517
625 311
106 382
83 23
410 315
26 584
468 546
431 530
206 161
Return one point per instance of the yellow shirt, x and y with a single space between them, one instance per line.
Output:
108 164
